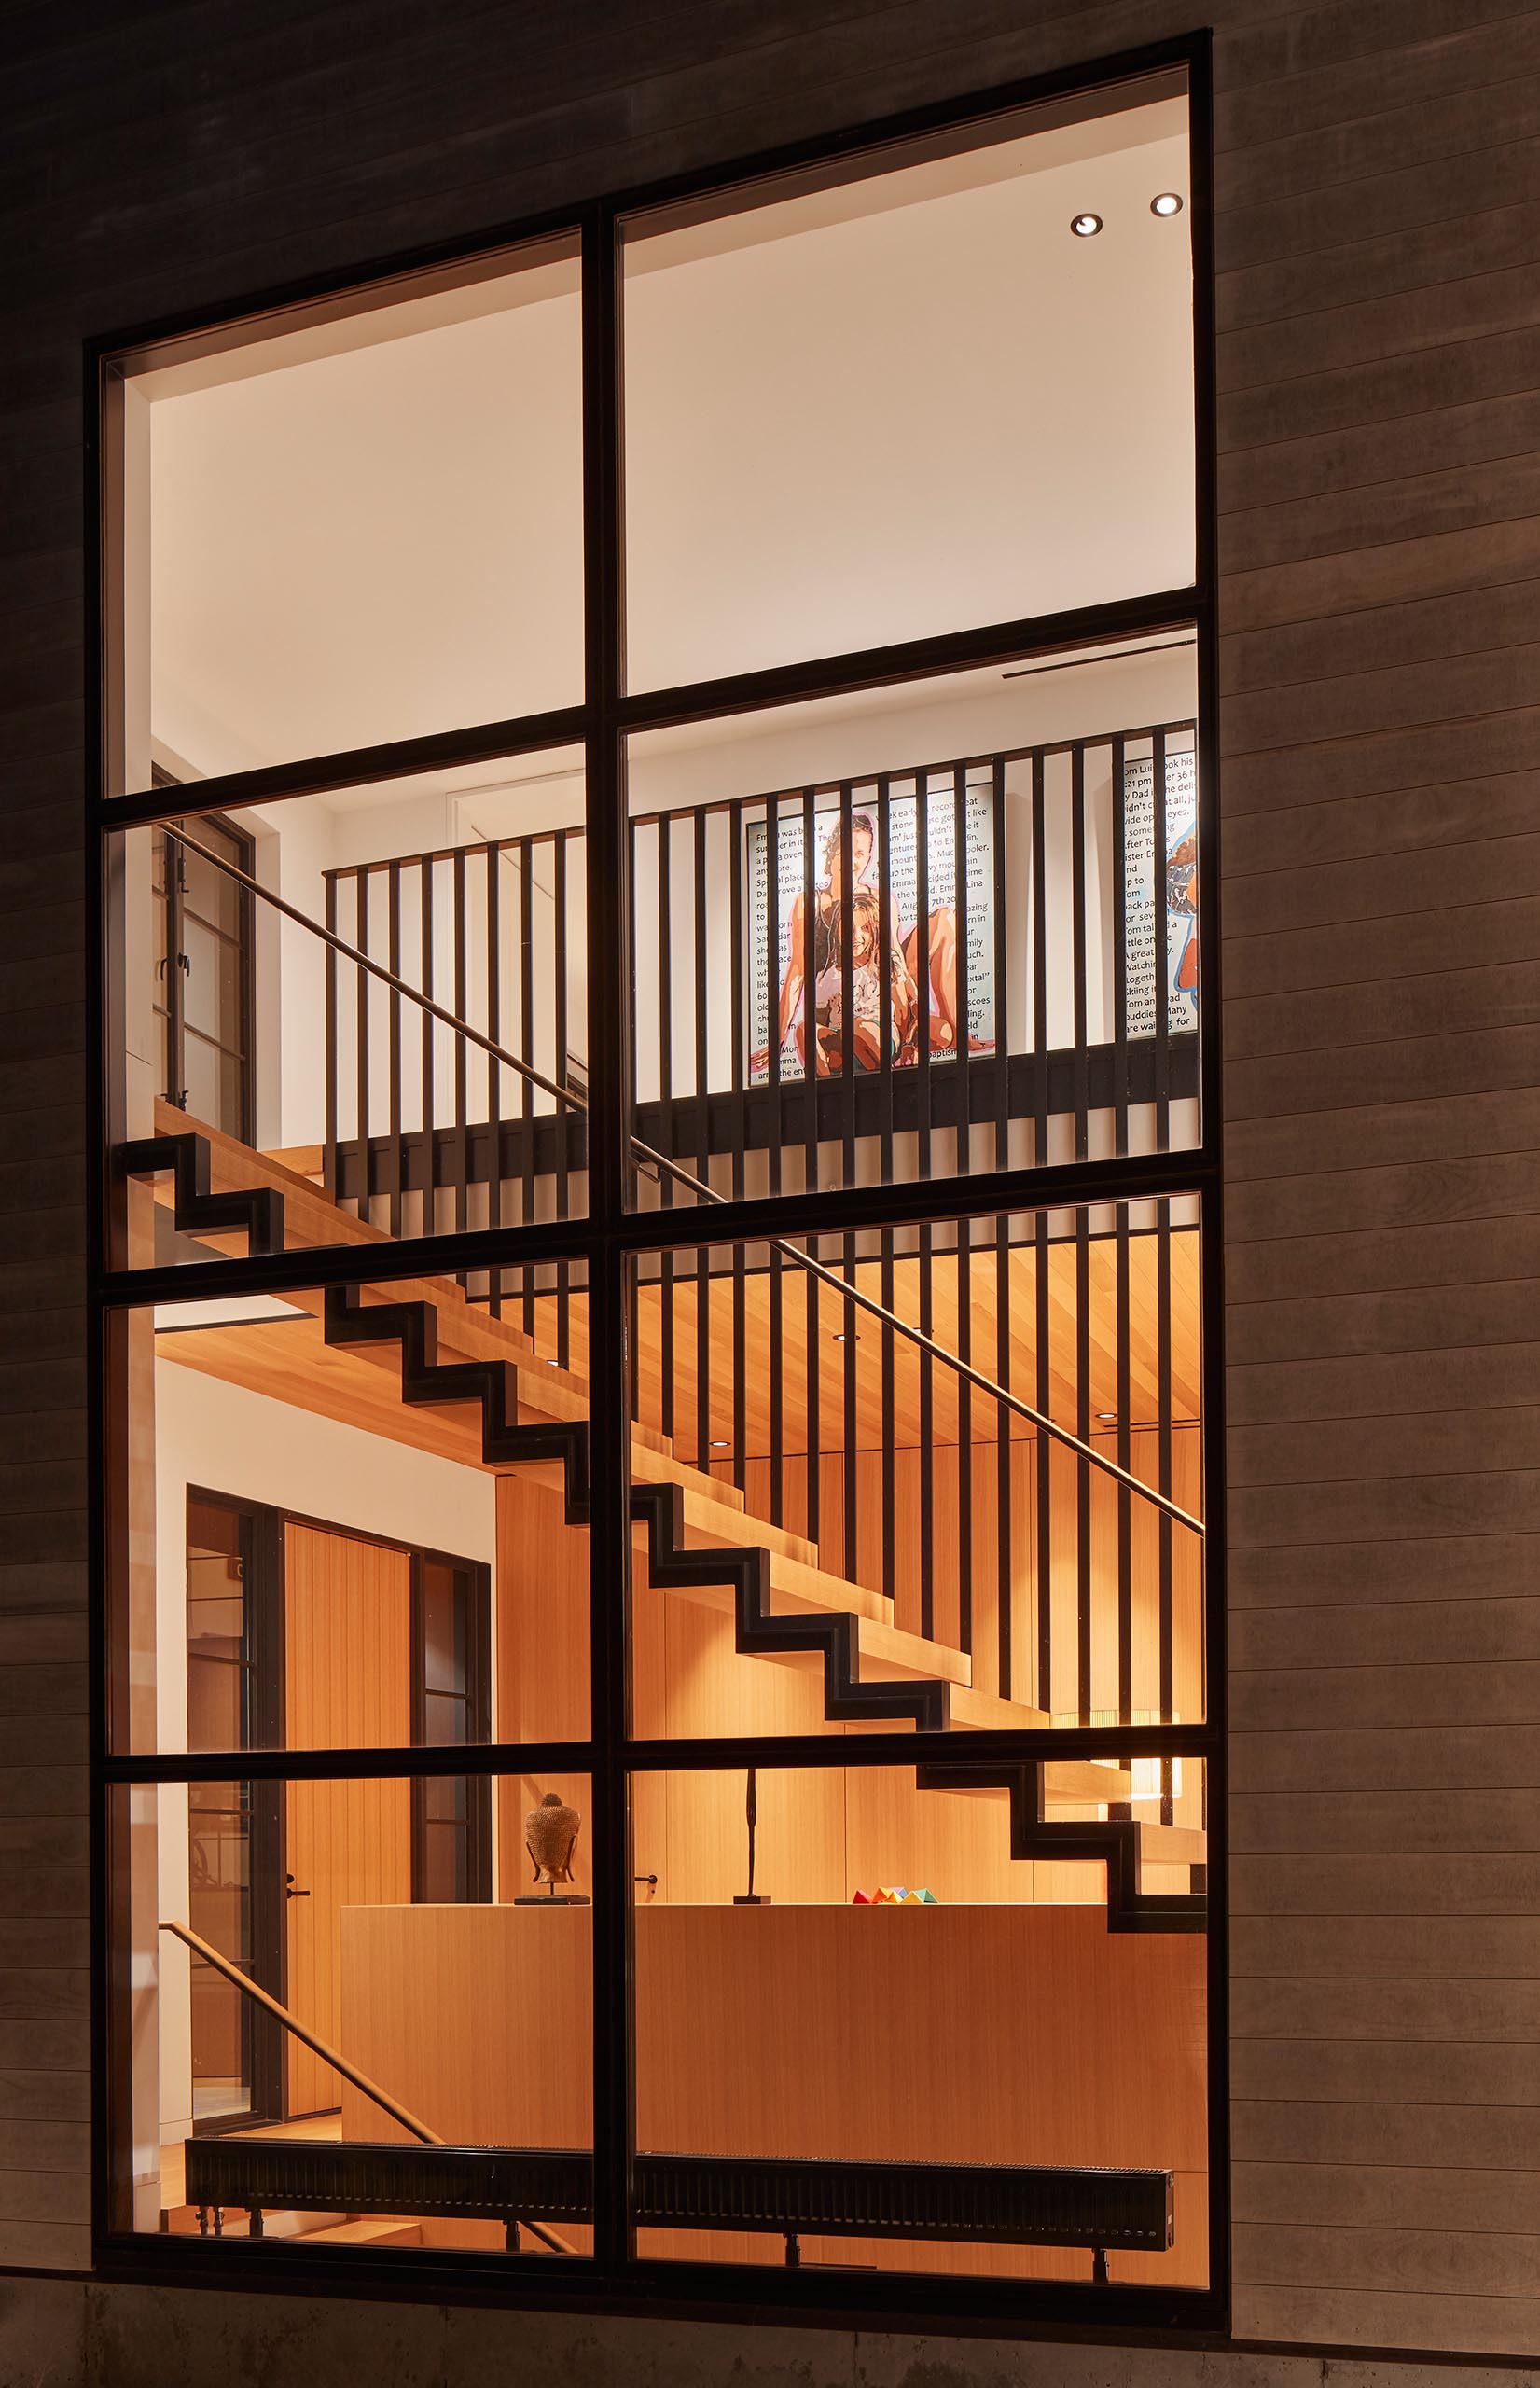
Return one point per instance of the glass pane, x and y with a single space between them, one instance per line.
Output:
443 1592
901 398
303 1413
208 894
454 2015
955 1478
368 531
219 1658
220 1819
1015 1997
213 1081
211 984
939 903
424 1074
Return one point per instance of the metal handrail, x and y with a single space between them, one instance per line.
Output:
657 1161
328 2055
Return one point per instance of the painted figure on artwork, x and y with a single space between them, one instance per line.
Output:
920 966
837 914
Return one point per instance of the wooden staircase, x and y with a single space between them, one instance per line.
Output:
475 1388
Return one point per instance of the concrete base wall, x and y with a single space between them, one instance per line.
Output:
77 2334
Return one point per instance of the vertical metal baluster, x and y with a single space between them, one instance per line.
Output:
393 1017
890 1487
495 1172
777 1132
462 1097
927 1448
1044 1398
963 1095
526 1054
1124 1397
739 1135
429 1221
772 990
1120 953
922 1147
1082 1469
964 1088
329 1158
1162 957
1077 878
1005 1562
702 1153
364 982
776 1294
815 1387
922 976
1039 967
887 928
667 1138
809 1007
1163 1336
847 1087
847 984
965 1436
563 1112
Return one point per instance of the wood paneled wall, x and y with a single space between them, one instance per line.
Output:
872 2037
347 1668
1377 177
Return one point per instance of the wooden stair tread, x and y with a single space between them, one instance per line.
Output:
362 2231
1173 1844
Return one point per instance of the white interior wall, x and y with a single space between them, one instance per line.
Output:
944 412
223 1438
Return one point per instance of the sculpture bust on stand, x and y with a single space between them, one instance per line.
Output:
550 1836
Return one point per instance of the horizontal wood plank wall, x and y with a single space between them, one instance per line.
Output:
1379 551
1378 177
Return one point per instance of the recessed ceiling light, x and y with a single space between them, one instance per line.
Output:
1086 227
719 1442
1108 1416
1166 202
847 1339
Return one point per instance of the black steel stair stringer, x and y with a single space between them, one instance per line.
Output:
762 1633
196 1210
1034 1835
491 1386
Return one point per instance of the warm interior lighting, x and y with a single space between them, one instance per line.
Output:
1085 226
1166 202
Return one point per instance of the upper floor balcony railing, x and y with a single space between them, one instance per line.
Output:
914 973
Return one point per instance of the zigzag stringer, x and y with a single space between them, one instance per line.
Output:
257 1209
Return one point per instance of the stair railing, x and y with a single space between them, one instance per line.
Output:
328 2055
658 1164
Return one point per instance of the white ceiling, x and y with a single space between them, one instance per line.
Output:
914 417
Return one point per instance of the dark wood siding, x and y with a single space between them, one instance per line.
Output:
1379 238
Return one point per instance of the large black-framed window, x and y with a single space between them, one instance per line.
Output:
606 1241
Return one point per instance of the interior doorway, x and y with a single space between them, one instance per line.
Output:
303 1635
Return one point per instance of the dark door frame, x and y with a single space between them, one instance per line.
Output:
262 1530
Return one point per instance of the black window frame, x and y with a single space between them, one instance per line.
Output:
614 2279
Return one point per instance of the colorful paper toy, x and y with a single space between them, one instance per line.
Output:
861 1899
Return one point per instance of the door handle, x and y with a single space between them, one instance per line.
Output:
289 1891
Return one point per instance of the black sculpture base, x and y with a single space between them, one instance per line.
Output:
545 1898
751 1898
